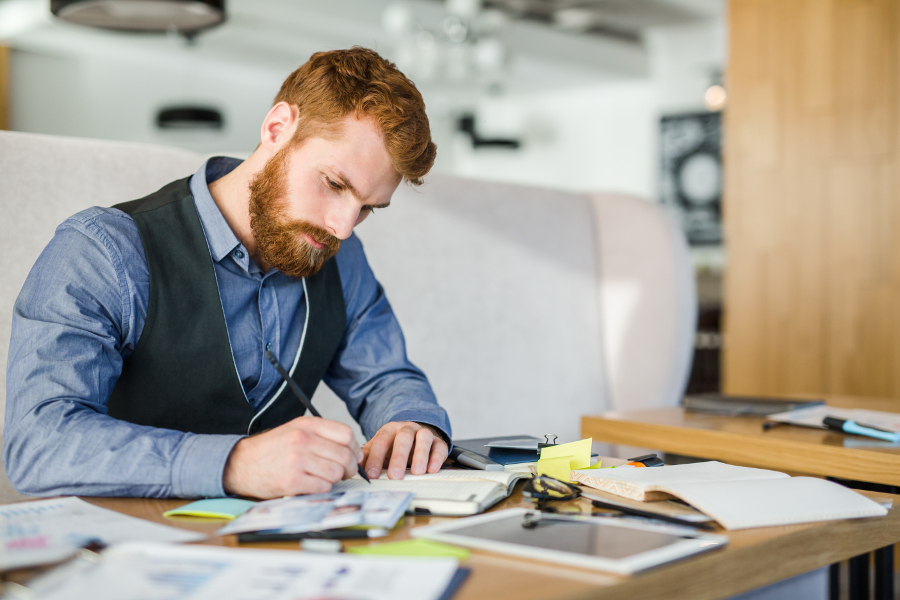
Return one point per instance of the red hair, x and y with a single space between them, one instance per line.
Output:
332 85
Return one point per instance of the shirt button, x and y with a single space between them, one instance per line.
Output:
269 346
255 427
239 253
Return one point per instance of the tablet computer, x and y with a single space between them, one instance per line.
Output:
617 546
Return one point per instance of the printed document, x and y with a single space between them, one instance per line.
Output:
140 571
46 531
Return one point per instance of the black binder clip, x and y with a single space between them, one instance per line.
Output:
546 442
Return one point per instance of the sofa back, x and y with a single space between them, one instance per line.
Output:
525 307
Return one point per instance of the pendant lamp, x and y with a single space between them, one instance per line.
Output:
183 16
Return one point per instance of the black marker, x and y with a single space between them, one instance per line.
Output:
303 399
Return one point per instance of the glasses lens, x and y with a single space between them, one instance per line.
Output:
554 488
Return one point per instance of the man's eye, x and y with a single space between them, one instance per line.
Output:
334 184
368 209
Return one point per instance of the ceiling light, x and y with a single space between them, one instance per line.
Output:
184 16
715 98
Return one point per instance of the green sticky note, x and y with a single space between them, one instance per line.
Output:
215 508
413 547
580 452
558 467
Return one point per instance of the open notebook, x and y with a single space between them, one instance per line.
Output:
736 497
449 492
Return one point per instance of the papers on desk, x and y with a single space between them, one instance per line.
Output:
318 512
813 416
46 531
737 497
143 570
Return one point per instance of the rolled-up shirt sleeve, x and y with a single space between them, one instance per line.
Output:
371 372
72 325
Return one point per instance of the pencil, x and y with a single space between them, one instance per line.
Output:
303 399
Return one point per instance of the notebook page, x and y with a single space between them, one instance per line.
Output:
669 474
643 483
424 489
761 503
503 477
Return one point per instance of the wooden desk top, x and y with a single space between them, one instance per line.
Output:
742 441
753 558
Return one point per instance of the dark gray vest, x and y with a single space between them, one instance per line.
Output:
182 374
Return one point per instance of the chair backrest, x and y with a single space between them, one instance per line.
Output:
525 307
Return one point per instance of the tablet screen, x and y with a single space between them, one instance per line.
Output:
591 539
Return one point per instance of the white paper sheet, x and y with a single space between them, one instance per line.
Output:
146 571
45 531
812 417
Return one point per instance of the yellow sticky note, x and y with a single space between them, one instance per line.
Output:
580 452
413 547
558 467
596 465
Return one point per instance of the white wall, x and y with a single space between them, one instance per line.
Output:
583 127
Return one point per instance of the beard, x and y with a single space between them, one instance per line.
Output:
279 239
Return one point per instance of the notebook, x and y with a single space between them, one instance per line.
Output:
736 497
450 492
753 406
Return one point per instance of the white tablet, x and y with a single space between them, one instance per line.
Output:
618 546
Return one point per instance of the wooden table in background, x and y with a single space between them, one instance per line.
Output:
742 441
753 557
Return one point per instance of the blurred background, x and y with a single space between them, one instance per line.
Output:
581 95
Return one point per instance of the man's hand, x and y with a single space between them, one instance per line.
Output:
303 456
403 443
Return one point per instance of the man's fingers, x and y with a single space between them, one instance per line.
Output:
379 446
403 443
334 431
325 469
338 454
439 452
421 452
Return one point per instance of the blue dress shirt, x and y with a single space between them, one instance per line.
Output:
82 310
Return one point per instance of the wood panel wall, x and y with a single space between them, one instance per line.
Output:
812 198
4 87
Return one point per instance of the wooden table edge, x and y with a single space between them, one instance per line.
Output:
757 451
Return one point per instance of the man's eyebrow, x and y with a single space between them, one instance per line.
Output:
346 183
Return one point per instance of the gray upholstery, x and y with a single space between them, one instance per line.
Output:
525 307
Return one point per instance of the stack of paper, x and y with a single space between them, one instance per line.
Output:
737 497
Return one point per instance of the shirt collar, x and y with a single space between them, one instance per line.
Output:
218 233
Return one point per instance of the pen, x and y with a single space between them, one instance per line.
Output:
849 426
646 514
346 534
303 399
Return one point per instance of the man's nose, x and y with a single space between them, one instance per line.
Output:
342 220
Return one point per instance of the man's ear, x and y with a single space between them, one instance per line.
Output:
278 126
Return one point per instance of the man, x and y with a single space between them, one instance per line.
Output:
136 364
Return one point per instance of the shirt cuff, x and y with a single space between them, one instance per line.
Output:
200 465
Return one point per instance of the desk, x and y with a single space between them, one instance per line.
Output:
742 441
753 558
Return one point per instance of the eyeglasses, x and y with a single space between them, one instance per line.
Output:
544 488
